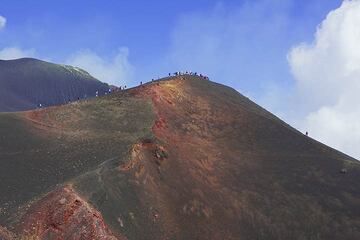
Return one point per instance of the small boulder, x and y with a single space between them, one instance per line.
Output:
62 201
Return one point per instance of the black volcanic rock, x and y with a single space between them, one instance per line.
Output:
26 83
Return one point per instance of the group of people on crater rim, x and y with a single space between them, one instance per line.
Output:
117 89
189 73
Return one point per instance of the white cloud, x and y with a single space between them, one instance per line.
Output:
2 22
116 71
10 53
327 74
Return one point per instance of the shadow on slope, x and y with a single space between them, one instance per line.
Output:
25 83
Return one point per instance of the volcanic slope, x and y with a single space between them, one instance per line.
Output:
179 158
25 83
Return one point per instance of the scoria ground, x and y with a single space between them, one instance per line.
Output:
179 158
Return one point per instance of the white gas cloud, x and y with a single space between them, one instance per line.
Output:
115 71
2 22
10 53
327 73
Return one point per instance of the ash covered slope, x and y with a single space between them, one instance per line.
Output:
181 158
25 83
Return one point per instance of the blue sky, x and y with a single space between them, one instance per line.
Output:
243 44
299 59
58 29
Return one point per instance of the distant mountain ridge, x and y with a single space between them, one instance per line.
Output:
26 83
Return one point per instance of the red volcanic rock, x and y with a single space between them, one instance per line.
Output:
63 214
5 234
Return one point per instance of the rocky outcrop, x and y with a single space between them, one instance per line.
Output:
63 214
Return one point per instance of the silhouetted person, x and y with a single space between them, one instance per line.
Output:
307 134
